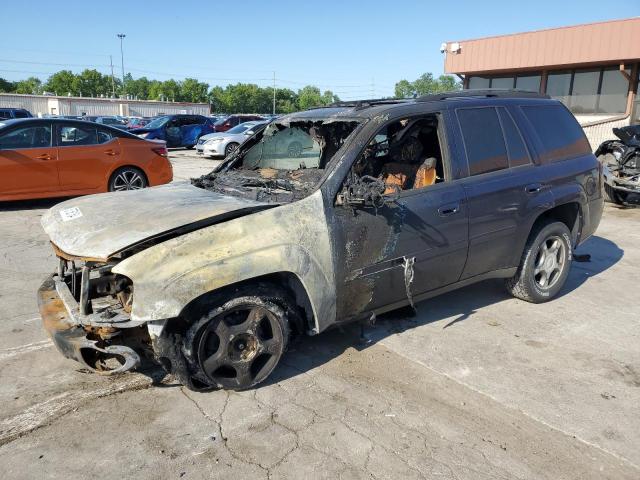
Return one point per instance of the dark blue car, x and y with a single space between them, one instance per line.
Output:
176 130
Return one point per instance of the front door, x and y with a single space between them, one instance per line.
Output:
414 243
28 161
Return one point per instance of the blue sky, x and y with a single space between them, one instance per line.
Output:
354 48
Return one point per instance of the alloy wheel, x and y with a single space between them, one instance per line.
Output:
550 262
128 180
241 346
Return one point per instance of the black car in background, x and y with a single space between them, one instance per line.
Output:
8 113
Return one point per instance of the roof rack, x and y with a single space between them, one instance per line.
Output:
367 103
484 93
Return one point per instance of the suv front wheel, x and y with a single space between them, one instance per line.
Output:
545 264
238 344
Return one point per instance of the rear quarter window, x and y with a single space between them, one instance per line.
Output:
560 135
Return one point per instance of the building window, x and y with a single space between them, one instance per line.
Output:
590 92
502 82
613 92
585 92
559 86
530 83
479 82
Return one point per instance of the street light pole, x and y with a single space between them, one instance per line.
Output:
121 37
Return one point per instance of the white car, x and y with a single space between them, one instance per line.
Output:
221 144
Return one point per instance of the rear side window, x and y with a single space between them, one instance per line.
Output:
560 134
72 135
26 137
483 140
104 136
21 114
517 150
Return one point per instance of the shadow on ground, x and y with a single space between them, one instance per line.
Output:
311 352
16 205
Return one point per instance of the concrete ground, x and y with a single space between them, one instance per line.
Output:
476 386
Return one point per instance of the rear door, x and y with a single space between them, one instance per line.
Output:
190 128
28 160
501 181
86 153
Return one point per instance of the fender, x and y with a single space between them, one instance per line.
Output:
168 276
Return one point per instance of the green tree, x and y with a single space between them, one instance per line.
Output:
139 88
191 90
309 97
62 83
92 83
7 86
31 85
426 84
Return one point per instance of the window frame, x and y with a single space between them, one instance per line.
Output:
445 151
464 142
58 129
519 132
17 127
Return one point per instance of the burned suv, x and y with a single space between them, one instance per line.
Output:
396 202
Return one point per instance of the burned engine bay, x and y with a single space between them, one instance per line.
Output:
282 163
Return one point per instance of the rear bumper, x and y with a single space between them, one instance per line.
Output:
76 337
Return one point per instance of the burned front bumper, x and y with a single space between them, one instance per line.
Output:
81 337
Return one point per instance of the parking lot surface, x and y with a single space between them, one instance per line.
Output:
476 385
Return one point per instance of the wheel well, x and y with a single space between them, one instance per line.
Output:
568 213
287 281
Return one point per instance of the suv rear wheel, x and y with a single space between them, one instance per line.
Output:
237 344
545 264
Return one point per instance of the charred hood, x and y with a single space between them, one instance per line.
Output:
99 226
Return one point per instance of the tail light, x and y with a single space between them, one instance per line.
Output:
162 151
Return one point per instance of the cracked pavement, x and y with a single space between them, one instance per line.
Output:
476 386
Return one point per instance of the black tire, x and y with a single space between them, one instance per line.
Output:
127 178
528 283
230 148
240 340
612 196
294 150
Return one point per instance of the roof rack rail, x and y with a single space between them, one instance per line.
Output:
486 93
368 103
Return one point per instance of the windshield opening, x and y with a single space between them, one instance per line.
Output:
157 123
283 162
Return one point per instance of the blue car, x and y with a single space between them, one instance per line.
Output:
176 130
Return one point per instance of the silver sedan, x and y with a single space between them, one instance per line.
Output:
221 144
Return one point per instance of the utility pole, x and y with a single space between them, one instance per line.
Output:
121 37
113 82
274 93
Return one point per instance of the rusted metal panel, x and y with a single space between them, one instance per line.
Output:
604 42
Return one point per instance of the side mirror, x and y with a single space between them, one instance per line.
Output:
249 132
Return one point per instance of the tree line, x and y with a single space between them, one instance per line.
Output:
235 98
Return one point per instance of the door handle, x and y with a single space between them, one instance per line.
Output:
447 210
44 156
533 187
111 153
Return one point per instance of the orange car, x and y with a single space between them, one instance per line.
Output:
43 157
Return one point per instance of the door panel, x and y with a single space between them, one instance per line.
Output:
84 164
416 233
28 170
28 161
